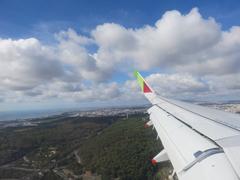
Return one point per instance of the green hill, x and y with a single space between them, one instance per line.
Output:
124 150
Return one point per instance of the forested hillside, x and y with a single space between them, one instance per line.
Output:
124 150
62 147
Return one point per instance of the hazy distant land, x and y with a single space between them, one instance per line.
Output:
229 106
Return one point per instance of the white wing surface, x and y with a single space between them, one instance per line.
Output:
201 143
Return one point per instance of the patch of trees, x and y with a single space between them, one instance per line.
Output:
124 150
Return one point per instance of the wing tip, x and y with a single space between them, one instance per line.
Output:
144 86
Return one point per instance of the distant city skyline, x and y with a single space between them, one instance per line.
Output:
73 54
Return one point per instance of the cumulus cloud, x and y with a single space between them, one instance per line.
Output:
72 51
78 92
25 63
180 43
98 93
172 41
176 44
176 83
195 55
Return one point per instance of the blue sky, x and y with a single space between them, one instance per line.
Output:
68 50
27 18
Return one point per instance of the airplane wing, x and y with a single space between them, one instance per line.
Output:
201 143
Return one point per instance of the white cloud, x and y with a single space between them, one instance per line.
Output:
101 92
196 56
73 53
25 63
171 42
172 84
176 44
71 35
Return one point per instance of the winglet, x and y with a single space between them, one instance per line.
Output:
142 83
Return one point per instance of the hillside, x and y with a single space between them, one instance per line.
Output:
65 147
124 150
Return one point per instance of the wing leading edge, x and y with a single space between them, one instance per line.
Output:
201 143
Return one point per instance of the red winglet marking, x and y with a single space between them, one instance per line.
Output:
146 89
154 162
